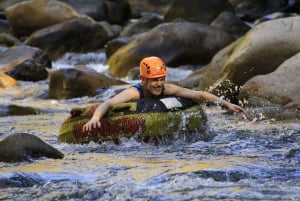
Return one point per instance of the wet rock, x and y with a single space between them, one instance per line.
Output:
150 6
297 6
141 25
8 40
252 9
20 180
176 43
25 63
190 81
7 3
223 176
279 87
95 9
198 11
22 110
12 109
277 113
23 147
112 31
134 73
119 11
113 45
144 24
71 83
114 12
231 23
262 50
293 153
7 81
81 34
4 28
26 17
273 16
214 69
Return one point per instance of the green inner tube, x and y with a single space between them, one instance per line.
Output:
145 119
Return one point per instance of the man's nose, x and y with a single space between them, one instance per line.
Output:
160 82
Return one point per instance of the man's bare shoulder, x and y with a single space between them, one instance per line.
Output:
171 89
127 95
134 92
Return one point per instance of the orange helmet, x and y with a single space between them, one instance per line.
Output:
152 67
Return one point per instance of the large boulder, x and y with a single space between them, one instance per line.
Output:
20 147
153 6
260 51
197 11
81 34
141 25
132 29
25 63
231 23
279 87
7 3
78 82
114 12
214 69
176 43
250 10
26 17
113 45
118 11
95 9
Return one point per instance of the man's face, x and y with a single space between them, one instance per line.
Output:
154 86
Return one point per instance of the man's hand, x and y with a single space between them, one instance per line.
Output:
93 123
236 108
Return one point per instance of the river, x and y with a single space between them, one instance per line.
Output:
245 160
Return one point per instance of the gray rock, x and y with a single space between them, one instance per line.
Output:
23 147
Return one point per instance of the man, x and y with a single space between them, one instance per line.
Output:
153 73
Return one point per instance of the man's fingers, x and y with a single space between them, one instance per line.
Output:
86 127
94 125
240 109
97 124
91 125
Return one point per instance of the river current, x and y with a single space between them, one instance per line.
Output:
244 160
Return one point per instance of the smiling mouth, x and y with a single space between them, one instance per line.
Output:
157 88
